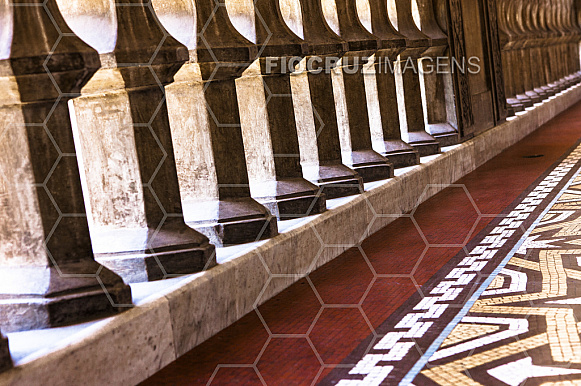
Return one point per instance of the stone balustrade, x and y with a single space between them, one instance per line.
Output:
540 49
150 133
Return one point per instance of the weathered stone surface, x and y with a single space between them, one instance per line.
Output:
205 125
48 276
122 133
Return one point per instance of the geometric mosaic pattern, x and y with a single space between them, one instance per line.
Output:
504 311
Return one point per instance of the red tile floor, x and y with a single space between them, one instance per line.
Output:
297 337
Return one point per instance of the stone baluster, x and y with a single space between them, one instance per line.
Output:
524 43
5 359
544 53
572 31
205 124
122 133
516 52
569 39
554 48
350 94
536 51
48 276
314 100
380 86
267 112
507 42
407 73
576 26
439 100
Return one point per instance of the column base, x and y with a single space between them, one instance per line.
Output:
525 100
399 153
536 98
515 104
34 298
230 221
548 91
544 94
370 165
5 359
424 143
290 198
444 133
147 254
557 86
334 179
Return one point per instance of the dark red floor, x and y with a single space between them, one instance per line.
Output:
354 294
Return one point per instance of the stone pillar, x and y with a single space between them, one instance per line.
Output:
350 93
205 124
48 276
267 113
439 98
122 133
315 98
407 73
380 86
5 359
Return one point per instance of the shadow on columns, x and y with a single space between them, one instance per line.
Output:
439 99
125 145
350 93
205 124
48 276
267 115
381 89
408 78
314 102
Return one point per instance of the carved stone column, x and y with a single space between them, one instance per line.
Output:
48 276
126 154
408 78
440 107
350 93
205 124
315 101
5 359
267 113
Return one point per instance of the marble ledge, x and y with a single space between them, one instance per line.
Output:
173 316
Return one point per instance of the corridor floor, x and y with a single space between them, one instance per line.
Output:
480 285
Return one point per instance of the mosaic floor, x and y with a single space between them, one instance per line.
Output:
479 286
503 310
